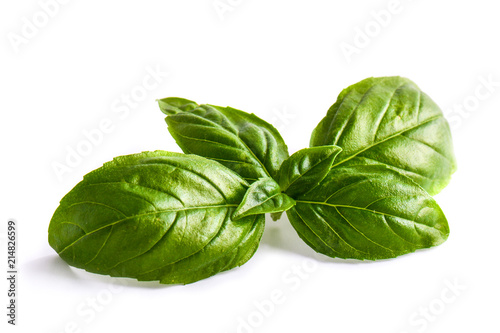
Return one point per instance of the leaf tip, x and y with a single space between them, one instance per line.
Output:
174 105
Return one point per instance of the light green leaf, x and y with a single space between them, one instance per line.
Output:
368 212
242 142
306 168
389 120
263 196
156 216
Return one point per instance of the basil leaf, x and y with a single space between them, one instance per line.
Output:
156 216
389 120
263 196
368 212
306 168
242 142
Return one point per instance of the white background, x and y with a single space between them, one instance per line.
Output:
283 61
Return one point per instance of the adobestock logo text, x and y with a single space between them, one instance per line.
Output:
121 107
32 25
293 279
363 36
485 89
429 313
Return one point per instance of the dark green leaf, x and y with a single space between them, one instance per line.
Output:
263 196
368 212
156 216
389 120
242 142
306 168
276 216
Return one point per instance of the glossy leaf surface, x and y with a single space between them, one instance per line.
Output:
389 120
156 216
241 141
368 212
263 196
306 168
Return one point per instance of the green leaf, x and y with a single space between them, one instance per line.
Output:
389 120
368 212
156 216
242 142
276 216
306 168
263 196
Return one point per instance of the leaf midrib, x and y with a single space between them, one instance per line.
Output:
359 208
386 139
220 127
147 214
261 204
308 170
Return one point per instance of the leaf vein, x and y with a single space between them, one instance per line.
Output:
386 139
147 214
369 239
